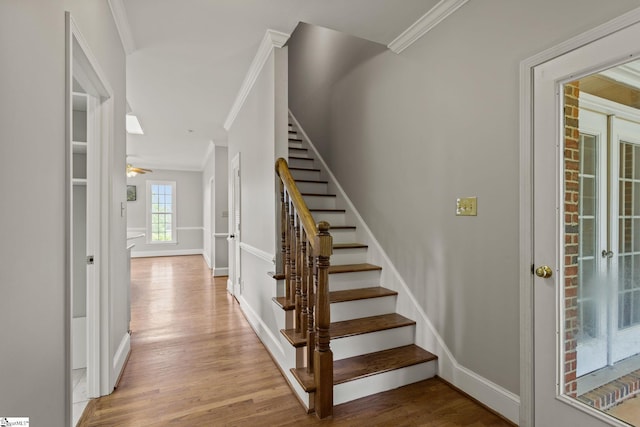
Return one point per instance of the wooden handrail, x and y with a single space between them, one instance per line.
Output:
306 251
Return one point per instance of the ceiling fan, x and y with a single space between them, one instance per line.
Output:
133 171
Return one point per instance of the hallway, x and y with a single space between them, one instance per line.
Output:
195 361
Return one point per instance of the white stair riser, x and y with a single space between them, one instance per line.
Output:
301 163
374 341
349 256
333 218
373 384
348 310
311 187
299 153
295 144
312 175
320 202
343 236
355 280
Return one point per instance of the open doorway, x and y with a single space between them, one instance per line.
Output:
89 118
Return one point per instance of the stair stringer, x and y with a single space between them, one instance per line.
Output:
489 393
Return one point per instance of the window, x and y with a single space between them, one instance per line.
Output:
161 215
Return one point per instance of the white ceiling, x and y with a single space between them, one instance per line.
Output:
190 57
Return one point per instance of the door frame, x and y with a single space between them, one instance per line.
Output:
526 197
233 282
82 64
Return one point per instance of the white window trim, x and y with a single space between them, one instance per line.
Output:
174 220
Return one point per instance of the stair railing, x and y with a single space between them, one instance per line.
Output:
306 249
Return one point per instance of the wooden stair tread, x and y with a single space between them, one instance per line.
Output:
317 181
358 294
304 169
342 296
301 158
328 210
382 361
364 325
342 227
283 303
295 139
353 327
352 268
317 195
365 365
349 246
298 149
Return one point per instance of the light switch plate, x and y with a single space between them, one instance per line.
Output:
467 206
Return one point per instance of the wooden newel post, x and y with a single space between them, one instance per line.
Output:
323 356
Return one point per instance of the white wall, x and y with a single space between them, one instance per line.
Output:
33 285
189 224
408 134
258 135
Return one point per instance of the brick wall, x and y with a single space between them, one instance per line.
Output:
571 225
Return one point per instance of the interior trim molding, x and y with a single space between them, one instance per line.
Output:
122 24
266 256
220 271
426 23
489 393
272 39
175 252
120 357
220 235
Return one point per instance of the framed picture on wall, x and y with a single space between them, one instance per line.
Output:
131 193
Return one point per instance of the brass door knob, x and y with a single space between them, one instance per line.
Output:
544 271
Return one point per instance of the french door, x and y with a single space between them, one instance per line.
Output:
609 250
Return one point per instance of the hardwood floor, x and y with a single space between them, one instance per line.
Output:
195 361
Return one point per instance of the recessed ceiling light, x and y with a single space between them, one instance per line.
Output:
133 125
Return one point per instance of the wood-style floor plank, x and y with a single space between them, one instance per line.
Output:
195 361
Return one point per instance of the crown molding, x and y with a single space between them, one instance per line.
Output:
426 23
271 40
122 24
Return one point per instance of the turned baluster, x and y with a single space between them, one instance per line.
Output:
311 326
298 276
304 312
293 249
323 356
287 247
283 231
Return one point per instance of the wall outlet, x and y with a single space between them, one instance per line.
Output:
467 206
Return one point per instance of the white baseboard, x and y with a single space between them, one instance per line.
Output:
494 396
79 342
205 255
220 271
230 286
120 357
260 328
169 252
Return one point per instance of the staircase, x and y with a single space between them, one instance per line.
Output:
373 346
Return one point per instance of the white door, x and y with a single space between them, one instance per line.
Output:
235 236
553 404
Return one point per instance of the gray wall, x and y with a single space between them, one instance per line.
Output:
33 289
408 134
189 210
